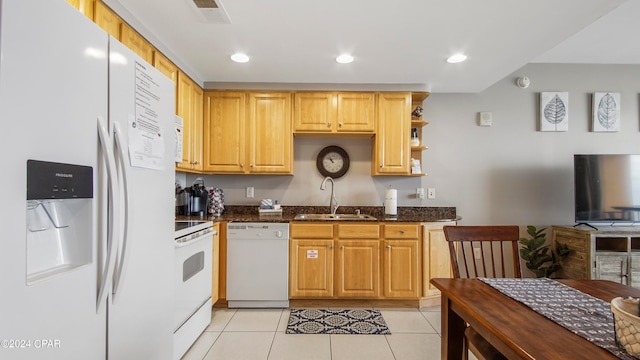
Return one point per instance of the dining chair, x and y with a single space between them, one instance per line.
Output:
483 251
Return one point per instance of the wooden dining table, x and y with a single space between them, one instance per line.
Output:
514 329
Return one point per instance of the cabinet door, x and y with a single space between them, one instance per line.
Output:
612 268
84 6
400 267
392 147
270 143
224 131
134 41
436 258
183 109
311 268
165 66
314 112
215 265
197 125
356 112
357 269
107 20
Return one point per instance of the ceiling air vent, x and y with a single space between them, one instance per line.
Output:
211 11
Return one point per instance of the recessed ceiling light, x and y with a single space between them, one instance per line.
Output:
344 59
240 58
456 58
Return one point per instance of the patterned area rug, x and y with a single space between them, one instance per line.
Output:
337 321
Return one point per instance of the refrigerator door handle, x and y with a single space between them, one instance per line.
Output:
119 271
109 263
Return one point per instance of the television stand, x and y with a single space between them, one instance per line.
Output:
608 253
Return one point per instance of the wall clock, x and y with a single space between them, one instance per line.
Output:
333 161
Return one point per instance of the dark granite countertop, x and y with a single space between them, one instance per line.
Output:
243 213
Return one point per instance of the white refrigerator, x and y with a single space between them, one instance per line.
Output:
86 252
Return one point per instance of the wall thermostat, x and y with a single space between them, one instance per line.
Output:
484 118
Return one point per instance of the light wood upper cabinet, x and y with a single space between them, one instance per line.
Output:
391 150
189 108
356 112
436 258
270 147
248 133
330 112
224 129
134 41
165 66
106 19
84 6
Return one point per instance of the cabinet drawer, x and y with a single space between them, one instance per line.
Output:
312 231
359 231
401 231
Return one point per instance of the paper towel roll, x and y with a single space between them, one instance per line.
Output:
391 202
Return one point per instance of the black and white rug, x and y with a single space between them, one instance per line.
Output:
337 321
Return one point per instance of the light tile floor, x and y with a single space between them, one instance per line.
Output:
247 334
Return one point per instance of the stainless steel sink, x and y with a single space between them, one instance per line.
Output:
334 217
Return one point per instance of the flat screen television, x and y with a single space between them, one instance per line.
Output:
607 188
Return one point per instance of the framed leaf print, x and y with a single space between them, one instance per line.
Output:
606 112
554 111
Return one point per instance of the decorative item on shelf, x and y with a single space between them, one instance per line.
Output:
415 166
540 258
417 112
415 140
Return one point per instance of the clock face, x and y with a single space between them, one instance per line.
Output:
333 161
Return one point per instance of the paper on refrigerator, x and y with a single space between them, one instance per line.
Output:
146 143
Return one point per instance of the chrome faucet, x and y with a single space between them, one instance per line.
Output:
333 208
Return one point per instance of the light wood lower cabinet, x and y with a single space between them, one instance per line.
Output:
215 265
355 261
401 260
436 258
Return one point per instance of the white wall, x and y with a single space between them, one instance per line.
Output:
509 173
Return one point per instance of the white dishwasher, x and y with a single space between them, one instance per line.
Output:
257 265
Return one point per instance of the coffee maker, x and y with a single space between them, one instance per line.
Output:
198 198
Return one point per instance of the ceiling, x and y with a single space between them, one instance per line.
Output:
399 43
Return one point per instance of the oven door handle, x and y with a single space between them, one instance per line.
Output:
205 235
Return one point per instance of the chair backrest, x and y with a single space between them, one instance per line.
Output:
484 251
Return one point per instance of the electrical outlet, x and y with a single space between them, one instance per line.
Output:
431 193
249 191
420 193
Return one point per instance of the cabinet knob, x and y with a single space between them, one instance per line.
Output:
340 124
381 166
329 124
401 231
341 247
388 246
242 165
250 165
330 247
